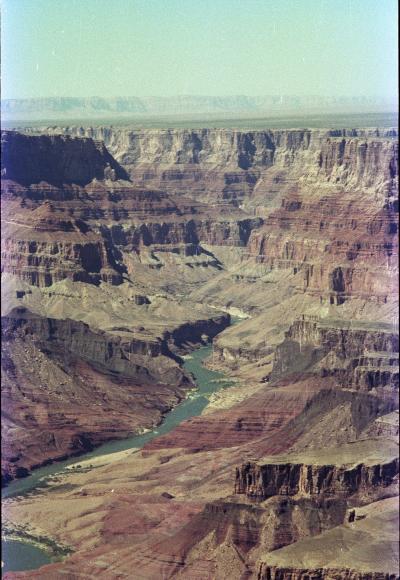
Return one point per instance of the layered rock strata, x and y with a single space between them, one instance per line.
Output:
236 161
288 477
310 258
71 215
330 556
359 356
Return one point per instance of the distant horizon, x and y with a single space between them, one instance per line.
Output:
375 96
239 122
192 106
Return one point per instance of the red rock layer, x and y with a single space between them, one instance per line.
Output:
87 388
345 247
330 382
260 415
358 355
223 164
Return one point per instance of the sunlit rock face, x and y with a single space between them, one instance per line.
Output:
74 226
137 248
235 165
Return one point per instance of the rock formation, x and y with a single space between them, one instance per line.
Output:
117 266
284 476
61 161
250 168
62 222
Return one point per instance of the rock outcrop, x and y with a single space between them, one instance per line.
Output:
71 215
112 272
70 219
260 481
281 573
349 251
234 165
56 160
67 388
330 556
360 356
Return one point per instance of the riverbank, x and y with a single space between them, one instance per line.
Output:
34 536
43 471
102 459
194 401
57 477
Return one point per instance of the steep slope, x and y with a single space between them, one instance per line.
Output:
61 160
75 230
254 168
294 467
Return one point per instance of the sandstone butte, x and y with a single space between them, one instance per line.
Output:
124 249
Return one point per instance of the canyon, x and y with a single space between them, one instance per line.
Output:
124 250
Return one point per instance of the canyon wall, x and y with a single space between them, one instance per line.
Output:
63 202
262 481
127 264
234 165
59 160
359 357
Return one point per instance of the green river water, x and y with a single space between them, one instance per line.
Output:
19 555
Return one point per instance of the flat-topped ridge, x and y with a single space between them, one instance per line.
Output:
56 159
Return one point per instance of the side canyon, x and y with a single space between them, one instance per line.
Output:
123 251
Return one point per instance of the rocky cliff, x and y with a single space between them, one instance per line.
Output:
81 376
72 220
340 253
259 481
109 281
281 573
330 556
361 356
56 160
235 165
87 225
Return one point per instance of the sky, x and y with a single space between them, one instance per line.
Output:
111 48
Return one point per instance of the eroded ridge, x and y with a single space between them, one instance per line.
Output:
291 472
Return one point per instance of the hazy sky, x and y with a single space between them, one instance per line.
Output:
204 47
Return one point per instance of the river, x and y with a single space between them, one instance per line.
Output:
18 554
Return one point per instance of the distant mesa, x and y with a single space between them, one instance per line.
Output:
189 105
